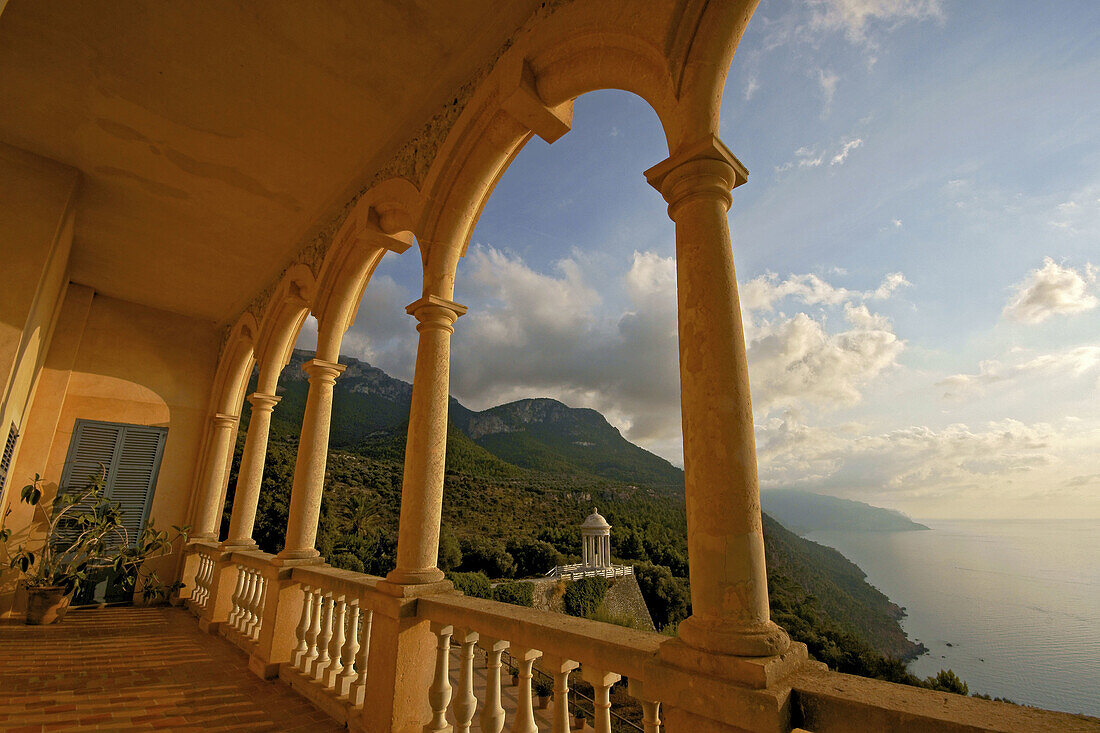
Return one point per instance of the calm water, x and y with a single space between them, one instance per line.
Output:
1013 607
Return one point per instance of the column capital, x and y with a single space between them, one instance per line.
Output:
262 401
434 312
221 420
705 167
325 371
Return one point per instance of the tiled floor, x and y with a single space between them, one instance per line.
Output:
123 669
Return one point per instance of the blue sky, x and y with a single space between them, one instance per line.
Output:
917 248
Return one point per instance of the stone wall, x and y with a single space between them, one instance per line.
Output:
624 598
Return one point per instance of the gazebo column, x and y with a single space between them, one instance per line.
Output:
729 590
221 442
247 494
309 469
426 446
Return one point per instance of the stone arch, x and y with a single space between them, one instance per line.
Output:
284 315
581 48
383 220
235 366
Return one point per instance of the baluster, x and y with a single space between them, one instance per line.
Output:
246 603
525 711
359 687
439 694
258 608
319 662
336 644
601 682
297 656
235 600
492 713
349 651
207 578
651 720
560 668
200 581
241 603
465 703
314 630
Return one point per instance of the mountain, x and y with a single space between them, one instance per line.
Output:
539 434
804 512
529 472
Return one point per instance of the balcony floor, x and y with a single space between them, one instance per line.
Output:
124 669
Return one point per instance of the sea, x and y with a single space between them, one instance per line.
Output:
1011 606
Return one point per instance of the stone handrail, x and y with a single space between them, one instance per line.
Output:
605 654
616 648
344 582
255 559
824 702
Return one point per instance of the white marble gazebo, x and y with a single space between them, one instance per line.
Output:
595 553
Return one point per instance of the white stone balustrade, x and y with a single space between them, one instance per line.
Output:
245 620
204 574
328 663
328 652
566 642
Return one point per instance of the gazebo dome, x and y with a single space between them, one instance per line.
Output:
595 520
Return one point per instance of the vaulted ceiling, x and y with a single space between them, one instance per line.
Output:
216 136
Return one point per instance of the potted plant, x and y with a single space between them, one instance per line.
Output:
579 716
84 536
544 689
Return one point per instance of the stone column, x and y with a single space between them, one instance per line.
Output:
426 446
221 442
729 590
309 469
251 473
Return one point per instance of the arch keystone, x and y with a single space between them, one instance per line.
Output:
522 101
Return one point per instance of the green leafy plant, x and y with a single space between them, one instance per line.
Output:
85 536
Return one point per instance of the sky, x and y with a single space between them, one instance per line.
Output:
917 247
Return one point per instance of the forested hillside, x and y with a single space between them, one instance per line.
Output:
519 480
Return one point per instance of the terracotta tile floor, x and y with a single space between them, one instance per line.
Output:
122 669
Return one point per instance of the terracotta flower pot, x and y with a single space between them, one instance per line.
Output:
46 605
544 701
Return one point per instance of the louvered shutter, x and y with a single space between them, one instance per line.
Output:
130 455
135 474
9 452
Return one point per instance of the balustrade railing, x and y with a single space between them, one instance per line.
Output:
605 654
204 574
245 620
331 612
332 636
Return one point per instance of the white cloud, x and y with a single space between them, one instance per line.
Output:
807 157
1055 367
1005 467
856 17
827 81
763 292
1052 290
845 149
796 361
552 335
751 87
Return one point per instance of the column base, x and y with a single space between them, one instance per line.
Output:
719 693
414 577
763 640
310 554
239 545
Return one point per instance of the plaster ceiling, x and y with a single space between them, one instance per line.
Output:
215 137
